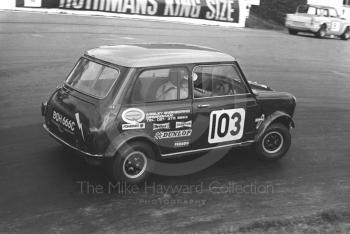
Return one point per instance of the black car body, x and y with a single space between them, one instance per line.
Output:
119 95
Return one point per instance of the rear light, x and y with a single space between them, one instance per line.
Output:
43 108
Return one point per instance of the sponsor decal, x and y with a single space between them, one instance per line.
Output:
173 134
259 121
226 125
161 126
133 126
180 144
223 10
164 115
80 125
187 124
133 115
182 117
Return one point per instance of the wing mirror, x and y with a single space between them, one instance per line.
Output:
59 86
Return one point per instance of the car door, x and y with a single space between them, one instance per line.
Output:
159 106
335 22
224 110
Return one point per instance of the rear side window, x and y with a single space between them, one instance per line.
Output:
92 78
305 9
166 84
218 80
311 11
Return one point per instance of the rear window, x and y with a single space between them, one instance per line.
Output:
307 9
92 78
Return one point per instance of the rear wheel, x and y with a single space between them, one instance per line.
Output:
274 143
322 32
292 31
346 35
132 163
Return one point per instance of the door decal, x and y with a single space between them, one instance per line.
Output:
226 125
335 26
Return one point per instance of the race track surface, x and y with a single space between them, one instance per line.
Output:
40 180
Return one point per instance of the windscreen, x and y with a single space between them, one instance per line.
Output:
92 78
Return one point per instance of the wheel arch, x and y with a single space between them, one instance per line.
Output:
119 142
275 117
323 24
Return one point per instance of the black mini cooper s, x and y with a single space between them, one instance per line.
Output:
127 105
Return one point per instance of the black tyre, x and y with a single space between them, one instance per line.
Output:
292 31
346 35
132 163
274 143
322 32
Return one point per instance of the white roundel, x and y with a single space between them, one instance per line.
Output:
133 115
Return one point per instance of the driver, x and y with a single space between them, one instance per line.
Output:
177 83
223 89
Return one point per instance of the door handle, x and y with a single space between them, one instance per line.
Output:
203 105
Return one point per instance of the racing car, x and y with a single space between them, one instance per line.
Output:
126 105
322 21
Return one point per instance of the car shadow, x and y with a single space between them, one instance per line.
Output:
238 164
308 35
73 165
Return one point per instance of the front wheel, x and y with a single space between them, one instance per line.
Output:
274 143
346 35
132 163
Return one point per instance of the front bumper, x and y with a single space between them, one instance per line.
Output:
69 145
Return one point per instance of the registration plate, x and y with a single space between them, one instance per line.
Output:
63 121
300 24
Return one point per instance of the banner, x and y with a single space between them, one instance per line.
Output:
32 3
8 4
218 10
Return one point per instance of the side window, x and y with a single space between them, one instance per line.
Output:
161 85
219 80
332 13
326 12
319 12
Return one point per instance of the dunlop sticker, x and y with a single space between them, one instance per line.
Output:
173 134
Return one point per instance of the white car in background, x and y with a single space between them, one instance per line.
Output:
320 20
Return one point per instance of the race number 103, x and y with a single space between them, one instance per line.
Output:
226 125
